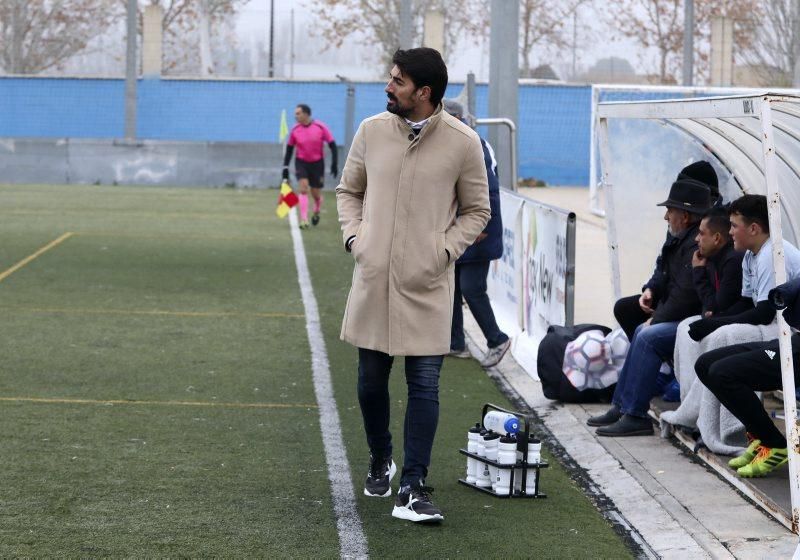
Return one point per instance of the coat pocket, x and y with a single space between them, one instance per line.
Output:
358 242
441 253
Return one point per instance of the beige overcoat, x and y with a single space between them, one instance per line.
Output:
399 194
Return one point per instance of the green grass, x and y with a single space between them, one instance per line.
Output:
172 296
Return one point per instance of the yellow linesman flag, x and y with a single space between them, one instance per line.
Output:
286 200
284 131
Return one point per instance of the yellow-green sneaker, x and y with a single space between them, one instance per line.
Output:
767 460
748 455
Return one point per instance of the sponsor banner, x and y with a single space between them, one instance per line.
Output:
545 268
538 243
505 273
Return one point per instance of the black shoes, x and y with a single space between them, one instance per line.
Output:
413 503
607 418
315 219
627 426
379 477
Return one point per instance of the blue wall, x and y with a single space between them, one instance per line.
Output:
553 120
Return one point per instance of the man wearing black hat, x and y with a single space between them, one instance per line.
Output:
668 298
632 311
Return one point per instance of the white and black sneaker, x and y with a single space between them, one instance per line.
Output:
381 472
413 503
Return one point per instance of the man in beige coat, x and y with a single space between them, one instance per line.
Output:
408 171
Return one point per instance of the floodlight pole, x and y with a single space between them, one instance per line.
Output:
611 224
688 42
130 72
784 333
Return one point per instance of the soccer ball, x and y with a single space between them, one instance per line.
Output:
618 347
585 359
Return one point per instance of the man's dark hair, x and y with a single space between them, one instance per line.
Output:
718 221
425 67
753 209
305 108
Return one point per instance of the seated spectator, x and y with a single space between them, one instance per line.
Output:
670 298
750 233
717 273
733 373
631 311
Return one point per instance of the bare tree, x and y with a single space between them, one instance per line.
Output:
187 26
654 24
378 21
658 24
776 43
542 24
37 35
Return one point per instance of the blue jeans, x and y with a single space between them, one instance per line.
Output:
471 283
422 410
651 345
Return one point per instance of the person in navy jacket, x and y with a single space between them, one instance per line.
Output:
472 267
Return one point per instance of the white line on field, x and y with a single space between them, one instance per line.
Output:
352 541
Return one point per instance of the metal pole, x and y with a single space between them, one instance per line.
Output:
291 53
688 42
271 38
349 114
471 94
611 226
504 80
575 41
569 303
130 72
784 333
406 25
512 135
594 187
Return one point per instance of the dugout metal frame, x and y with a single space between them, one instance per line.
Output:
735 129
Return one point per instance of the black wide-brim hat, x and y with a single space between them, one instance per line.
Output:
689 195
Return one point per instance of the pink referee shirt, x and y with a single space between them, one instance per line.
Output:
310 140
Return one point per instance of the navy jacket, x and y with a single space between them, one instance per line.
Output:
787 297
491 247
719 283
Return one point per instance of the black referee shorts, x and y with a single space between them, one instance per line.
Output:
314 171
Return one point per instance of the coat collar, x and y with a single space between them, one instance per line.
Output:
433 121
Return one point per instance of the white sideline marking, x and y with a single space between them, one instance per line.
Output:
352 541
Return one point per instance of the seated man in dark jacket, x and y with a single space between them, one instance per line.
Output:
632 311
671 299
716 265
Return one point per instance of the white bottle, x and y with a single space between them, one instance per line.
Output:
490 443
473 436
482 469
506 455
501 422
534 458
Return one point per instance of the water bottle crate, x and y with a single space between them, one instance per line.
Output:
522 477
518 465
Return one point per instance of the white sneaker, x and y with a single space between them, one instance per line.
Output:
494 355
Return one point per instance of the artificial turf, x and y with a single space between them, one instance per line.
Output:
156 395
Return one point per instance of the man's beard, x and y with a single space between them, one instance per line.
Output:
393 106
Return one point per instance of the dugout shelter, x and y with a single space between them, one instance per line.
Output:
754 143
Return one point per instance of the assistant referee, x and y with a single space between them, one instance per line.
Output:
310 137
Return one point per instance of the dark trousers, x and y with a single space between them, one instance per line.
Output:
422 410
733 373
629 315
638 381
471 284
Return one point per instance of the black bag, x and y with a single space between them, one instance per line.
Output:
550 366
